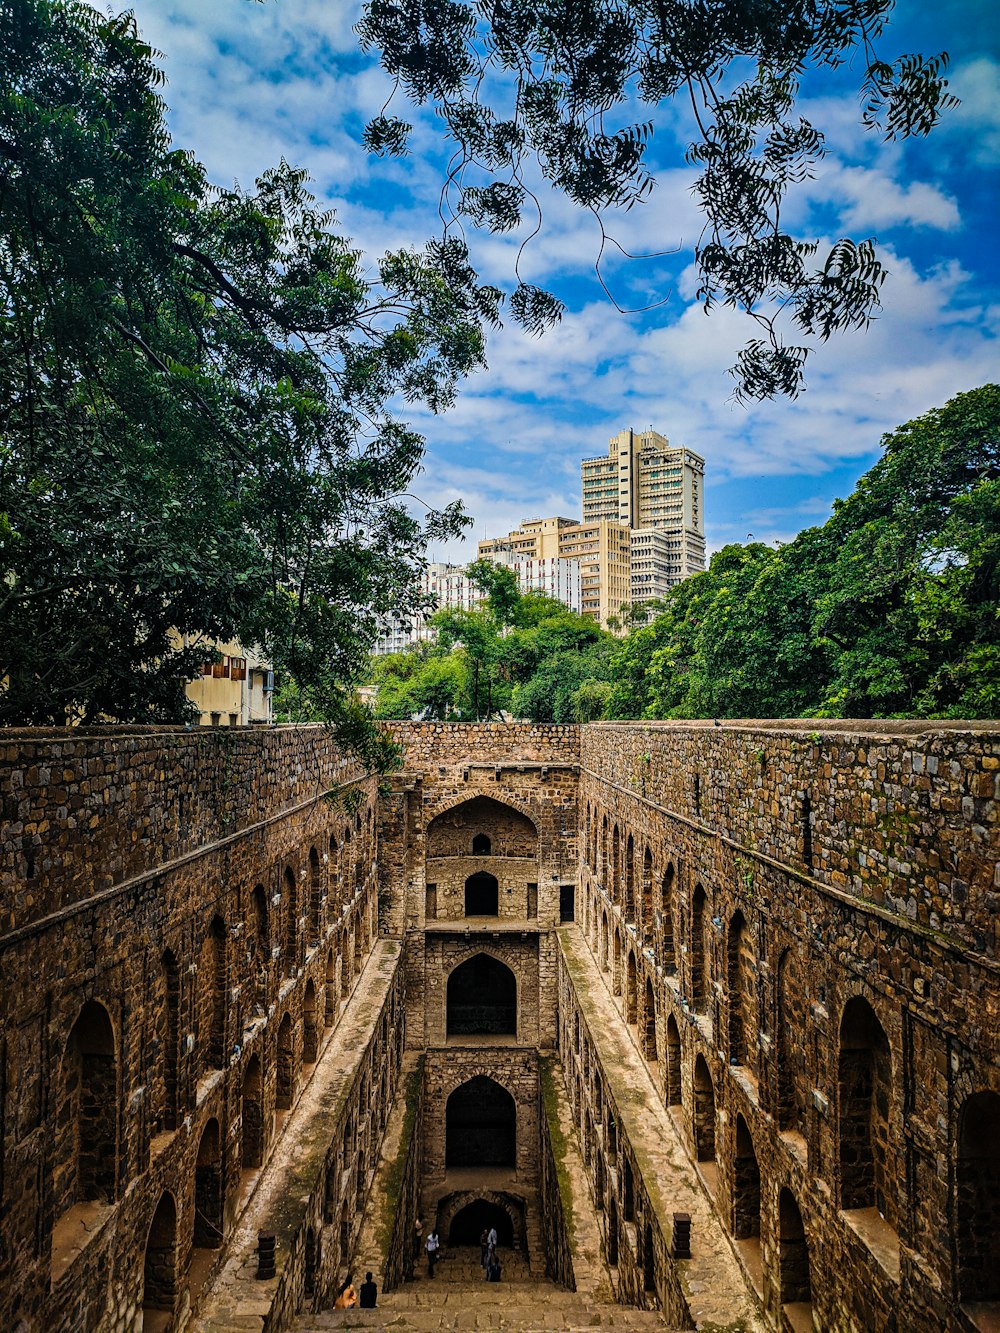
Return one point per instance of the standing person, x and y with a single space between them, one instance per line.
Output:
484 1245
368 1294
491 1239
432 1246
418 1236
493 1266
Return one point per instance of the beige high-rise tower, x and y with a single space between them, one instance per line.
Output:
656 490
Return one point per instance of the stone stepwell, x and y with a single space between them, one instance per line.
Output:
459 1298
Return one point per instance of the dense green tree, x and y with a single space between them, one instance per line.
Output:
196 437
575 90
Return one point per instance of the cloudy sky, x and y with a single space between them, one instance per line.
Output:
250 83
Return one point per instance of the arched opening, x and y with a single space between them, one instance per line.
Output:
603 946
704 1112
746 1185
482 894
648 1023
667 920
260 947
628 1190
600 1183
648 1260
315 897
616 972
791 1107
631 990
333 873
699 960
87 1113
291 913
285 1085
616 867
159 1269
358 945
794 1283
977 1198
345 1234
470 1222
673 1062
648 905
311 1263
482 998
360 1180
741 967
612 1231
208 1189
252 1120
629 879
310 1027
212 975
330 991
487 826
480 1125
867 1167
346 963
170 1036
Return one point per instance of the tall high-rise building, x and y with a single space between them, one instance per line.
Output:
657 491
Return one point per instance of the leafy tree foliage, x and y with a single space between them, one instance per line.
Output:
524 653
195 432
891 608
565 88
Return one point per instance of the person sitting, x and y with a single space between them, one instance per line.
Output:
347 1297
369 1293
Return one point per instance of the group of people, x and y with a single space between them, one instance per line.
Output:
489 1258
347 1298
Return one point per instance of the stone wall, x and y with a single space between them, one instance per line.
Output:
186 916
811 910
555 1192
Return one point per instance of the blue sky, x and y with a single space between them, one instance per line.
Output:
250 83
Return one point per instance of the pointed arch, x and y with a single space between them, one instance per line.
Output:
631 990
742 996
794 1281
86 1140
208 1210
647 1023
482 894
330 1000
704 1111
285 1084
315 897
159 1269
480 1125
252 1118
213 987
867 1162
629 878
673 1062
646 913
699 950
667 920
746 1185
290 944
509 830
977 1198
170 1042
791 1100
310 1025
481 998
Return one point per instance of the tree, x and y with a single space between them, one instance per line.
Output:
575 90
196 438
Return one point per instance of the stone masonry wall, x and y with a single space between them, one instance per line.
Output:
809 911
185 916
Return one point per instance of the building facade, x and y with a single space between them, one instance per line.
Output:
601 550
649 486
236 691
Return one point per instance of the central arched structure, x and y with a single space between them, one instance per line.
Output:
470 1222
480 1125
481 826
482 999
482 894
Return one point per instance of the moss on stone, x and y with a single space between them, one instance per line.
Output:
396 1170
557 1138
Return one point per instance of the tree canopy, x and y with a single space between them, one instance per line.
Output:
575 91
197 438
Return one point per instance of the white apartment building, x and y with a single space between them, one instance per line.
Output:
454 590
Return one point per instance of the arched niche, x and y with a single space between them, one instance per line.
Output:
509 831
159 1269
482 894
977 1198
867 1171
480 1125
87 1113
482 998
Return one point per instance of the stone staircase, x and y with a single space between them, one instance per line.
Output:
459 1298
